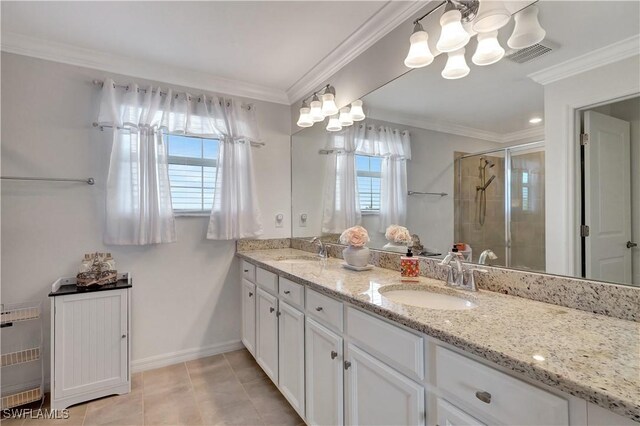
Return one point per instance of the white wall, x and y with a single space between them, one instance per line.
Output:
562 98
431 169
186 295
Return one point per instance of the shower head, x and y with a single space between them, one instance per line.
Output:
486 185
486 163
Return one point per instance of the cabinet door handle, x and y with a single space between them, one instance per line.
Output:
631 244
278 313
484 396
334 354
347 364
319 308
124 336
272 309
250 294
287 292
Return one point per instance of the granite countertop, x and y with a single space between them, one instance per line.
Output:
591 356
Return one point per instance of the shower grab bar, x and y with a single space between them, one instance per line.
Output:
88 181
441 194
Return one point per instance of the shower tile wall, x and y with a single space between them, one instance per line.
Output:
468 230
527 211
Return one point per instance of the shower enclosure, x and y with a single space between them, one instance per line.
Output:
499 205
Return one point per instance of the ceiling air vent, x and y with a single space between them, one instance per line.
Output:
532 52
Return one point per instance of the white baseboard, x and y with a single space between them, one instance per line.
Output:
170 358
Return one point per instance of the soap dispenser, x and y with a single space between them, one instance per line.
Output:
409 267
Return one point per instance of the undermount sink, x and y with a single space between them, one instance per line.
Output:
296 259
427 299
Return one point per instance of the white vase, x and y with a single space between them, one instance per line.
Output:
356 256
395 247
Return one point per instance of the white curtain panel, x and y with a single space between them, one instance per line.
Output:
149 113
340 205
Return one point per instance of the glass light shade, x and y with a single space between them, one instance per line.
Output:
527 31
456 66
316 110
334 124
419 53
305 119
492 16
329 106
453 35
357 113
489 50
345 117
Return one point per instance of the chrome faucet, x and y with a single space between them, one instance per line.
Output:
488 253
460 277
322 250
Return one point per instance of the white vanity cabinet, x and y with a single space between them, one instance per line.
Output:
324 367
90 342
267 333
376 394
291 355
249 316
449 415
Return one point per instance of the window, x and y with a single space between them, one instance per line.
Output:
368 171
193 164
525 191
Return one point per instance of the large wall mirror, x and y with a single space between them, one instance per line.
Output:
468 161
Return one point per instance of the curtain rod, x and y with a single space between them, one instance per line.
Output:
88 181
103 126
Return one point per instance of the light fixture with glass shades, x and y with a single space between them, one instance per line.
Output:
483 18
317 110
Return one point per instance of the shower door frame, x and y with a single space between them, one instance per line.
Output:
507 187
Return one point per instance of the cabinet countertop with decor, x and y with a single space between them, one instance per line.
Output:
594 357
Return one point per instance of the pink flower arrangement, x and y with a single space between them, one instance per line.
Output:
355 236
398 234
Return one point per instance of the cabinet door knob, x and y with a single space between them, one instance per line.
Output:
124 336
484 396
278 313
334 354
246 270
250 294
319 308
287 292
272 309
347 364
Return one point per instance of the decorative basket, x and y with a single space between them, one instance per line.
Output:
97 269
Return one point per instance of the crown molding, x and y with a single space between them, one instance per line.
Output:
605 55
382 23
531 134
89 58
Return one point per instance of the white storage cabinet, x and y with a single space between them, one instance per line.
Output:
90 350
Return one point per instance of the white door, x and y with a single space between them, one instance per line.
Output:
291 350
324 367
450 415
90 342
607 180
378 395
267 333
249 316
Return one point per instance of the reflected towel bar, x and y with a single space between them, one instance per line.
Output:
88 181
441 194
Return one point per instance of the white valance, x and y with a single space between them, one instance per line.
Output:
371 139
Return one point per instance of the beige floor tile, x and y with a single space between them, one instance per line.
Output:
203 365
76 417
173 378
265 396
10 421
122 409
244 366
240 358
220 396
213 375
241 413
179 409
282 416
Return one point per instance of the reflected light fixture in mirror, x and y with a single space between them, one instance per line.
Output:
316 109
334 124
357 113
527 31
329 106
535 120
456 66
489 50
491 17
419 53
305 119
345 117
453 35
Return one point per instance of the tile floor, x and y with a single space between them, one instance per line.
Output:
226 389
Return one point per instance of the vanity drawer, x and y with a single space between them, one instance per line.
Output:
291 292
248 271
399 348
507 399
325 309
267 280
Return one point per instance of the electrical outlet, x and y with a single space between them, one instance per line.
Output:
303 220
279 220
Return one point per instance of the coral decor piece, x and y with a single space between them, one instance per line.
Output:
356 236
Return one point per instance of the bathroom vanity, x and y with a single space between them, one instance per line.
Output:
343 353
